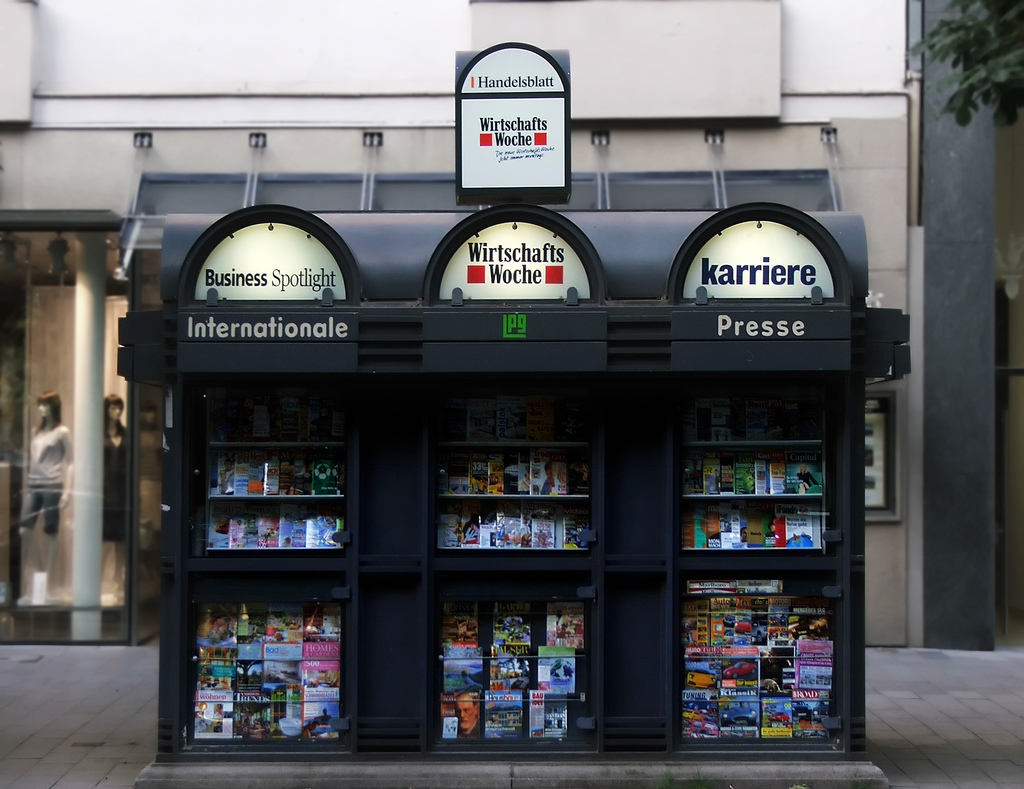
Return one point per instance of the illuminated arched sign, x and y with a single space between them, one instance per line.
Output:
514 261
270 261
758 259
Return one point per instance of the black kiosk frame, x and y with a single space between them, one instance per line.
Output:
512 486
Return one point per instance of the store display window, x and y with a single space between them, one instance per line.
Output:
276 472
757 662
753 473
513 472
512 670
268 671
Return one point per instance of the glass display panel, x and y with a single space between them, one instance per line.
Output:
513 472
753 473
512 670
757 664
268 671
276 470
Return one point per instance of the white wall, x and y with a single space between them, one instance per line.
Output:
248 47
323 62
843 46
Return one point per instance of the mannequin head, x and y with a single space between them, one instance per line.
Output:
49 409
113 408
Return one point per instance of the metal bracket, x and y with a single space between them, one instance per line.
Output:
702 295
211 297
832 723
327 298
586 724
572 297
341 537
832 592
831 535
587 593
341 593
456 297
586 535
340 724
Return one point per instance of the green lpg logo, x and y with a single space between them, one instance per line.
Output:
513 326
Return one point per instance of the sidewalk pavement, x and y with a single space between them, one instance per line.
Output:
83 716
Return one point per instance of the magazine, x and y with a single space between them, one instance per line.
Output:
482 415
460 715
565 624
556 669
700 713
511 418
321 680
511 635
503 714
317 719
776 717
803 473
509 672
575 522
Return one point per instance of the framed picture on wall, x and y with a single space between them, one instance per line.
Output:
880 456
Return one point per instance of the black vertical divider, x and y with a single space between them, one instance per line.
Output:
174 594
637 608
391 602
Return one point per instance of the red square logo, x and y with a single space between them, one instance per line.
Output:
486 140
475 275
540 138
553 275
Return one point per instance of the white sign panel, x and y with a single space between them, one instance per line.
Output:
270 262
758 260
513 143
514 261
512 126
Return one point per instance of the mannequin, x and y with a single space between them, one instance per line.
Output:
48 490
115 509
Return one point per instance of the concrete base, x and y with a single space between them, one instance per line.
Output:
397 774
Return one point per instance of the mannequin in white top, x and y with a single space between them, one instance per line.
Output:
47 491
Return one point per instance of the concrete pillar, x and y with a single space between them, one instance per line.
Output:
90 313
958 490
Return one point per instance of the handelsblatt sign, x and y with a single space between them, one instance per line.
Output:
512 125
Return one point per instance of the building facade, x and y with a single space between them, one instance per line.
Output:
675 105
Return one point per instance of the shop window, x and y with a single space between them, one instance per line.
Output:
757 664
513 473
512 670
268 671
753 473
276 468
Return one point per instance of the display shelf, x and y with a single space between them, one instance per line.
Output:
756 664
753 475
268 672
267 497
276 468
512 473
512 671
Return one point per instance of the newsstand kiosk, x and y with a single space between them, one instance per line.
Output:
513 497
